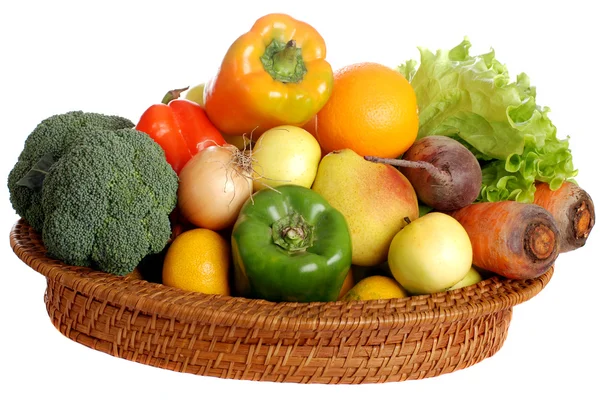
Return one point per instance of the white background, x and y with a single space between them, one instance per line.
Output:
119 57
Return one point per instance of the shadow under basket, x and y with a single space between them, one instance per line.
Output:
236 338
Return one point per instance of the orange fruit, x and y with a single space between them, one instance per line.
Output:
136 274
198 260
372 110
347 285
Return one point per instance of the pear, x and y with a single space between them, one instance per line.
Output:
376 200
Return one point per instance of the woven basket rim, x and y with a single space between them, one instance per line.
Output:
488 296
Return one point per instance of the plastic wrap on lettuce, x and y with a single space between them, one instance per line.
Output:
473 100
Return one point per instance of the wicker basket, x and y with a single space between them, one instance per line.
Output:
228 337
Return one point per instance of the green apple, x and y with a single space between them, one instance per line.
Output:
196 94
471 278
430 254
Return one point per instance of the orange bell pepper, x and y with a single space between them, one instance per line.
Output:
275 74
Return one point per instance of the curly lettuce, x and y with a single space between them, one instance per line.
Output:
473 100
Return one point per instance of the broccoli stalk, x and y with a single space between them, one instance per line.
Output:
105 202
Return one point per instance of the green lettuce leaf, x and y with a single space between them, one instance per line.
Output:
473 100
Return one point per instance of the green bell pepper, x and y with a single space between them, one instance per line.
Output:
290 244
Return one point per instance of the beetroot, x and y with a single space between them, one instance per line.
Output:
445 174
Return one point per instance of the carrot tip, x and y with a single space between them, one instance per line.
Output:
582 221
540 241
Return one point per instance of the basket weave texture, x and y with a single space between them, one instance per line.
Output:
237 338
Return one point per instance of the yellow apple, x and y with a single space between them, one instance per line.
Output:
430 254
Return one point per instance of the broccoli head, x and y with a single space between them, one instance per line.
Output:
52 138
106 202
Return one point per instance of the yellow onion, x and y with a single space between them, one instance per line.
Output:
213 186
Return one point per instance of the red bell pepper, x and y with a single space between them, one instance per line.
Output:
181 127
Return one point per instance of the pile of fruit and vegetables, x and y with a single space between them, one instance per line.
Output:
285 180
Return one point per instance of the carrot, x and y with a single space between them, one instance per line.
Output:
512 239
572 208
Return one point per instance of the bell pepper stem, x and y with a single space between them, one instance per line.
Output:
293 233
173 95
284 62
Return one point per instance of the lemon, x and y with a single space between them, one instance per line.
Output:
198 260
375 287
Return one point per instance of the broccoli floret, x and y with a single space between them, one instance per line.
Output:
52 137
106 202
